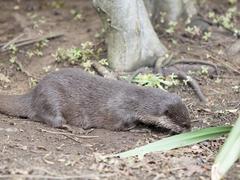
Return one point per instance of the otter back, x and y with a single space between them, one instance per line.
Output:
78 98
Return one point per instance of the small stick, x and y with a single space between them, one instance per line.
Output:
68 134
70 137
31 41
13 41
25 42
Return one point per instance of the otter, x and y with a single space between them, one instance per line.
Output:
72 96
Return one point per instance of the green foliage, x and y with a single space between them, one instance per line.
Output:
76 15
177 141
203 71
171 27
13 49
75 55
226 20
155 80
36 20
206 36
37 49
80 55
229 153
193 31
57 4
32 82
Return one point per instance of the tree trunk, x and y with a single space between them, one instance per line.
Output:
131 40
175 10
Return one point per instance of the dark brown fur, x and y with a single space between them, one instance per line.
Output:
78 98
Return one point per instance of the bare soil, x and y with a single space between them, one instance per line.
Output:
35 151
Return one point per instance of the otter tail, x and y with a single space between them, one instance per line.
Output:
16 105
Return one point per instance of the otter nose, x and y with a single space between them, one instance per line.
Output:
187 126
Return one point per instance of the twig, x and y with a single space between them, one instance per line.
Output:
70 137
45 159
68 134
25 42
31 41
13 41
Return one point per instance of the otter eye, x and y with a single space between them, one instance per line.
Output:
167 112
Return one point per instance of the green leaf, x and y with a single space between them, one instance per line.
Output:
229 153
177 141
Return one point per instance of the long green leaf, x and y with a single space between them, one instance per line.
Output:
176 141
229 153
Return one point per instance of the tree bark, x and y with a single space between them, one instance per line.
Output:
131 40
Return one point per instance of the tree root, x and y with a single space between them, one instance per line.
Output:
103 71
196 62
190 81
171 68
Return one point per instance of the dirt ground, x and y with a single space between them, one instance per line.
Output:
34 150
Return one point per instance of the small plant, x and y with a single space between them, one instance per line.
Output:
36 20
76 15
37 50
206 36
47 68
57 4
193 31
13 49
104 62
42 44
80 56
226 20
204 70
163 17
171 27
32 82
158 81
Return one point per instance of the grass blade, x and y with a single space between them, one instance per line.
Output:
229 153
176 141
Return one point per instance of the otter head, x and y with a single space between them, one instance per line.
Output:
178 115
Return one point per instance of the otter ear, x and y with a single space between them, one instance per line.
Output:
162 121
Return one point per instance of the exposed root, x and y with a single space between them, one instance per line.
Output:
196 62
168 70
183 76
103 71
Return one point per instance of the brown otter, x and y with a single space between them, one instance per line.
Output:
78 98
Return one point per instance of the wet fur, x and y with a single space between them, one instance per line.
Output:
78 98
